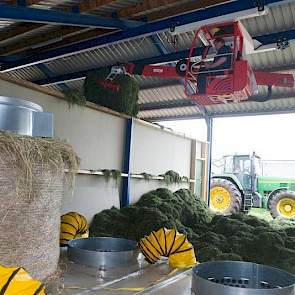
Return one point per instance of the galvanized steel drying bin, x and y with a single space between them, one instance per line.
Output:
240 278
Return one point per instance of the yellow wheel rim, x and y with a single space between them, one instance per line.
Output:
219 198
286 207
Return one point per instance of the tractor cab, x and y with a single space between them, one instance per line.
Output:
234 82
246 168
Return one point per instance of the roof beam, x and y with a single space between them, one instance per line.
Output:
48 73
177 103
223 115
166 58
140 8
181 103
50 38
145 6
24 2
89 5
172 118
14 31
84 6
47 16
221 12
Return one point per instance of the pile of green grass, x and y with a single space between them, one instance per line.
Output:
215 237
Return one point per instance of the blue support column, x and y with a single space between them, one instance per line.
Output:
126 182
209 123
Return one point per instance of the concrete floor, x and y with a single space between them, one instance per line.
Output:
138 279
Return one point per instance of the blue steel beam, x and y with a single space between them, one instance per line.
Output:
160 44
220 11
166 58
48 73
275 37
46 16
177 103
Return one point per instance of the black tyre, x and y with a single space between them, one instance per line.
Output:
225 197
282 205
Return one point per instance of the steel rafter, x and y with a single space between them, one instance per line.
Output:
174 56
47 16
215 13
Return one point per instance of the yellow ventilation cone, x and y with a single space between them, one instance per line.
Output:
168 243
16 281
73 226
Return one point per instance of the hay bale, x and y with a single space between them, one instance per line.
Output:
32 182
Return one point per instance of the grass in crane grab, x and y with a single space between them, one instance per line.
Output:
215 237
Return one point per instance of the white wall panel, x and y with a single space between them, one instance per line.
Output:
98 139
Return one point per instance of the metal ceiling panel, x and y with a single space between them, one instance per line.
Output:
27 73
117 53
176 112
162 94
279 18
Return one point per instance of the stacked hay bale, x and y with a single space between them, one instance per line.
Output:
32 182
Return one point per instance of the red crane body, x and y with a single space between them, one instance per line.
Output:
234 84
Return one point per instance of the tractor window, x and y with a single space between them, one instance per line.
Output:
228 164
258 166
242 165
247 166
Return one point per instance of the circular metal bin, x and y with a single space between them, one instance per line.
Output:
16 115
240 278
103 252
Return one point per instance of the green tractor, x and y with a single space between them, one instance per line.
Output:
241 187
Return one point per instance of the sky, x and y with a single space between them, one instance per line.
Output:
272 137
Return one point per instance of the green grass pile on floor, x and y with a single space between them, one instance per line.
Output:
215 237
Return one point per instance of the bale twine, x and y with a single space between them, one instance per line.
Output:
32 183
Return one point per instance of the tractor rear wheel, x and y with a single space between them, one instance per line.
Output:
282 204
225 197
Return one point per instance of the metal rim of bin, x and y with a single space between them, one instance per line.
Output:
103 252
240 278
20 103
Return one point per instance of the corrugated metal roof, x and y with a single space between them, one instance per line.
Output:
162 94
117 53
180 112
28 74
274 105
115 6
280 17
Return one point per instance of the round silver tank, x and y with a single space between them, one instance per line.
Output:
240 278
103 252
16 115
